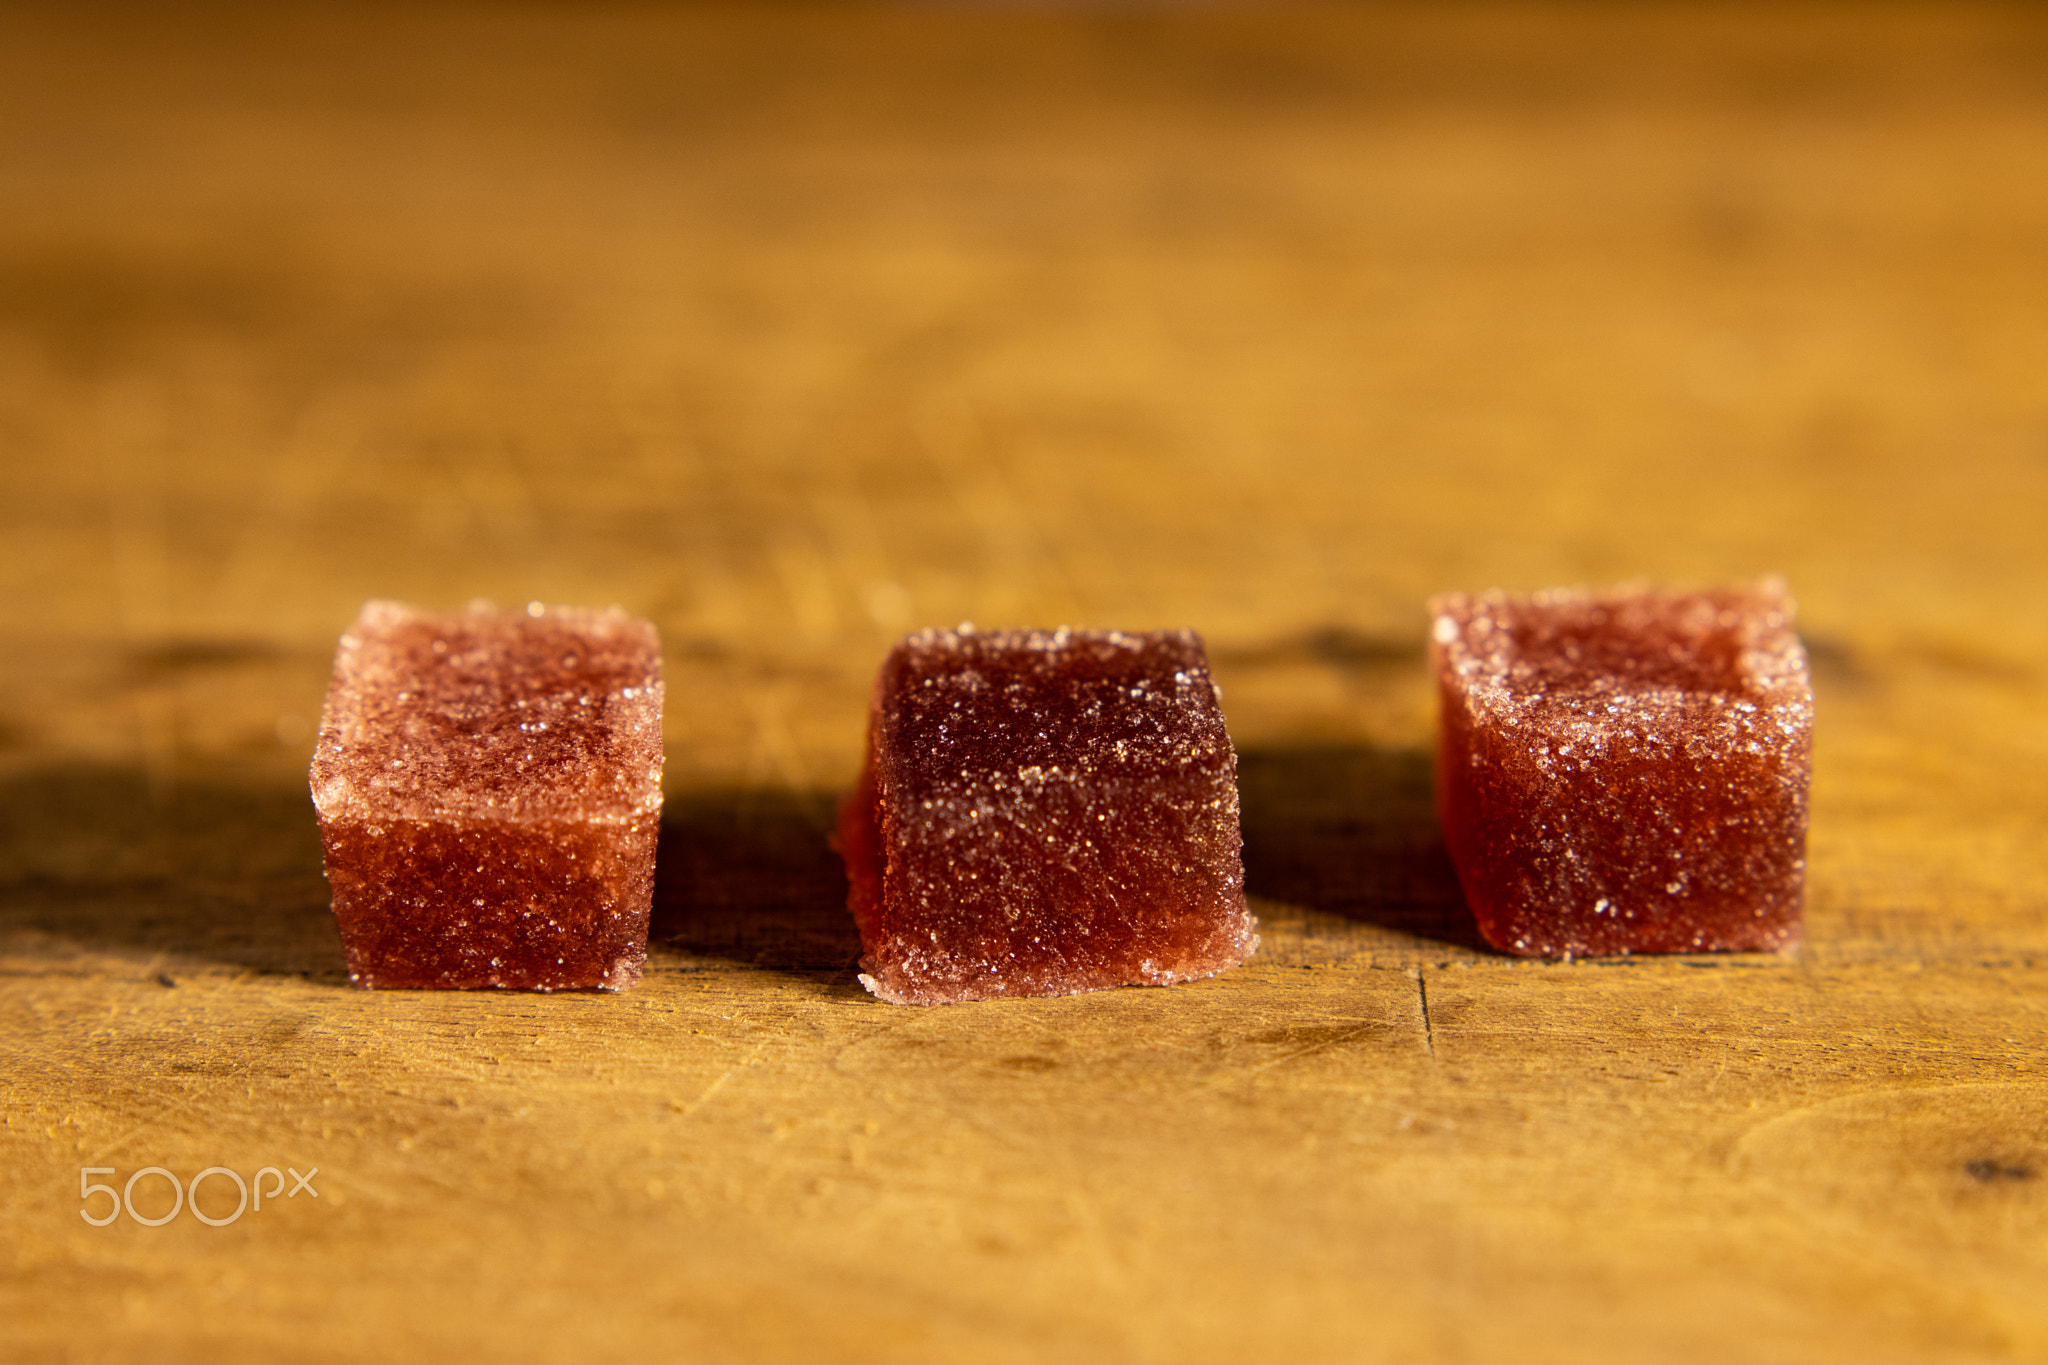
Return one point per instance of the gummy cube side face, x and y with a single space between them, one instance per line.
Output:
488 786
1044 814
428 904
1593 805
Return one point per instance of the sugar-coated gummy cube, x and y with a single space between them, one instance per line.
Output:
489 791
1625 771
1043 813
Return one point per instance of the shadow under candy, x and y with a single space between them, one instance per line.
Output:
752 877
94 859
1346 829
1351 830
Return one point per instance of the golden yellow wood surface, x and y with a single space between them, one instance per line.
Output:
792 328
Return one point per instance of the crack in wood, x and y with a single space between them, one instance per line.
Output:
1422 1002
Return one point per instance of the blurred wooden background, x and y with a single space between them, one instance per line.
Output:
792 327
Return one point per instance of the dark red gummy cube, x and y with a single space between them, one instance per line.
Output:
1044 813
489 791
1625 771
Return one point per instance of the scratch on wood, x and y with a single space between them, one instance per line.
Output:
1342 1038
710 1090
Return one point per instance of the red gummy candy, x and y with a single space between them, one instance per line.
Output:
1044 813
489 792
1625 771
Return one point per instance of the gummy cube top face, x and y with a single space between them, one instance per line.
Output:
1625 771
492 716
1045 813
489 793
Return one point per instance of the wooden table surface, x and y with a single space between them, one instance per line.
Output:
793 328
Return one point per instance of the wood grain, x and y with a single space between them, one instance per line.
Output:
795 327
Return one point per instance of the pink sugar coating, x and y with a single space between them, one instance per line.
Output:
1044 813
489 791
1625 771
